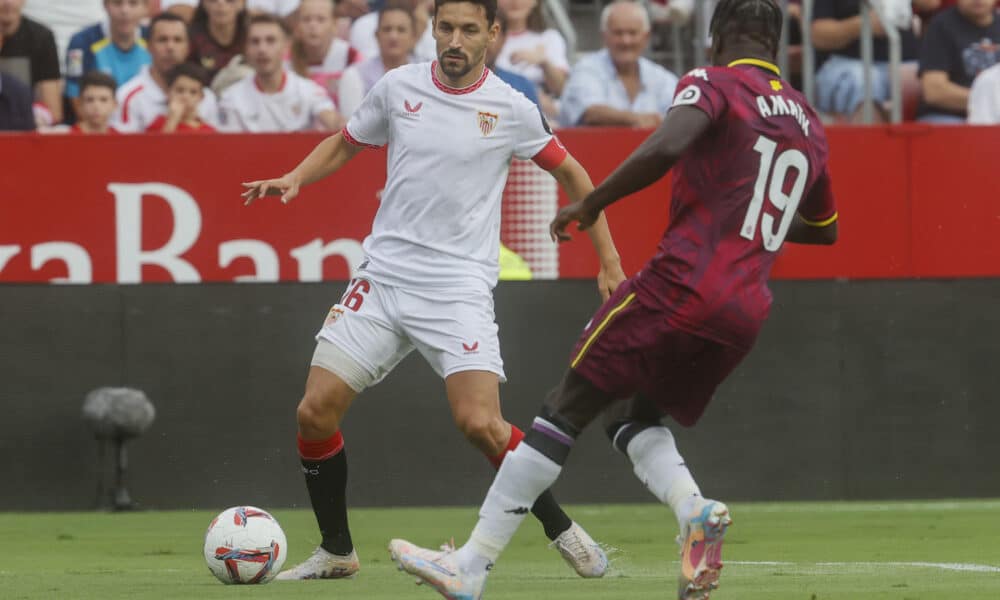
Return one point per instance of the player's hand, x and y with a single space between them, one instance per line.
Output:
287 187
609 278
576 211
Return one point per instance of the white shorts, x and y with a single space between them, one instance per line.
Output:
377 325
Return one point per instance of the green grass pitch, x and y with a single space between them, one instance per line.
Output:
813 551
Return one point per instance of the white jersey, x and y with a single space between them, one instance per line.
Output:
363 38
984 98
555 52
141 101
449 152
245 108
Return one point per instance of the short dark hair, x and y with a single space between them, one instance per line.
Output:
756 20
167 17
401 6
490 6
189 70
97 79
268 19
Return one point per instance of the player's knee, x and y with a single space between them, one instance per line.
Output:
314 419
483 431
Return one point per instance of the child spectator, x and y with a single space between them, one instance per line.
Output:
185 91
96 104
534 51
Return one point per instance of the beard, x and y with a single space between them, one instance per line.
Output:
455 70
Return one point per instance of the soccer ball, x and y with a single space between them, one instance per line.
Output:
245 544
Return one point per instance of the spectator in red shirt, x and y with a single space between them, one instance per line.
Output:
185 91
96 103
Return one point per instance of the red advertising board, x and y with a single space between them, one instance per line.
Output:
914 202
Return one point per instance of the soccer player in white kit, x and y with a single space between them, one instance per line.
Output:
452 128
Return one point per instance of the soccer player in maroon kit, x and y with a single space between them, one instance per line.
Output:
749 157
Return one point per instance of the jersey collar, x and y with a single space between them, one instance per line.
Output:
763 64
457 91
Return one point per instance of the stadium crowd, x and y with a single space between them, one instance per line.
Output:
133 66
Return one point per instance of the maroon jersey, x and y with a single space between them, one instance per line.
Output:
735 193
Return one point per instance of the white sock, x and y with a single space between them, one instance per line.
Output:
661 468
522 478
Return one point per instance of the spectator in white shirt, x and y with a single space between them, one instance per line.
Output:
317 52
363 32
984 98
274 98
142 99
617 86
532 49
396 35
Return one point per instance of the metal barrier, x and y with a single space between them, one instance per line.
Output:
556 10
895 60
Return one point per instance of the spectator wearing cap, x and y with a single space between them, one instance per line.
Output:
274 98
144 97
617 86
960 43
28 51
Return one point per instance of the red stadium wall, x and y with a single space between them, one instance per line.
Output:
914 202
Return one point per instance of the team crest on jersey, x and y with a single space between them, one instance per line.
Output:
487 122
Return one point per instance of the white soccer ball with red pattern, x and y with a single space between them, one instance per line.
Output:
245 544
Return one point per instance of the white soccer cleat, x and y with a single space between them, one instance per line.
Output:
441 573
581 552
323 565
701 549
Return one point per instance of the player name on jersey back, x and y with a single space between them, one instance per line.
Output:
776 105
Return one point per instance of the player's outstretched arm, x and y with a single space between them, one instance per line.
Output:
573 178
647 164
653 158
328 156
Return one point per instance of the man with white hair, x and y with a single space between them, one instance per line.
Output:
617 85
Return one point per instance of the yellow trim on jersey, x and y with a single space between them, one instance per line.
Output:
822 223
757 63
100 45
607 319
141 42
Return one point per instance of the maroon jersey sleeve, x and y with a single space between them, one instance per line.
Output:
819 208
696 89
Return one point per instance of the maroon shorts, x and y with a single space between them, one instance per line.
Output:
630 347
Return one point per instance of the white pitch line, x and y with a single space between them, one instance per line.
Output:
869 566
852 507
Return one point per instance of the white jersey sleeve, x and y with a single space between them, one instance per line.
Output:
532 131
369 125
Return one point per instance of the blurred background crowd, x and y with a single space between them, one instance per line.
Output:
135 66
